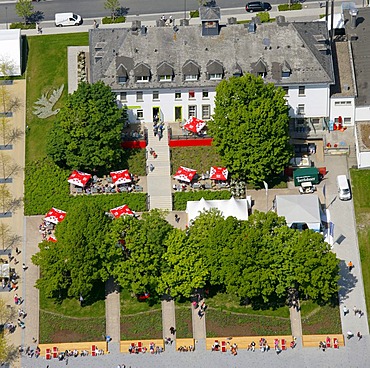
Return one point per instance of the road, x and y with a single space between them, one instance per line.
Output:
95 8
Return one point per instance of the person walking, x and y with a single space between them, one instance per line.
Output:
24 267
350 334
345 310
350 266
359 336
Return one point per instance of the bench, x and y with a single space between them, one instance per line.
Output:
312 341
126 344
55 349
185 342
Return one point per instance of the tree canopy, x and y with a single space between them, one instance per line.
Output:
24 9
250 128
87 131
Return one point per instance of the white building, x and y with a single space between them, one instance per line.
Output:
11 51
172 72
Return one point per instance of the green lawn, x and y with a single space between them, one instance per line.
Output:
68 321
198 158
184 326
320 319
46 71
135 161
130 304
361 197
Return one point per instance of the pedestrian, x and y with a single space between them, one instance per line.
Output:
16 261
10 257
200 313
24 267
81 300
17 251
345 310
172 330
350 266
151 167
177 218
355 310
202 306
360 313
349 334
95 24
359 335
38 28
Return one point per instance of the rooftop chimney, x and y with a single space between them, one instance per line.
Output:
353 18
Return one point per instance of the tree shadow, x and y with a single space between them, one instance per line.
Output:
122 11
36 17
347 281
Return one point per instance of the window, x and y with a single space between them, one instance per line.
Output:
205 94
139 96
123 96
301 91
192 111
285 74
215 76
347 120
189 77
286 90
165 78
191 94
122 79
206 111
155 95
300 110
338 103
142 79
177 95
140 114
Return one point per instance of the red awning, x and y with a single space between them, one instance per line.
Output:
185 174
194 125
120 177
55 216
218 173
79 178
121 211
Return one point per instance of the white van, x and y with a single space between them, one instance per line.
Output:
344 193
67 19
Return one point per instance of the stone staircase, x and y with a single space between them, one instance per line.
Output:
159 180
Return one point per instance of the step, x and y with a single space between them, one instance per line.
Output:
160 202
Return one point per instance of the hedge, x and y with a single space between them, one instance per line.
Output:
109 20
46 186
180 198
285 7
264 17
194 14
20 25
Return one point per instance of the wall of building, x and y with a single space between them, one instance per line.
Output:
344 107
315 100
362 113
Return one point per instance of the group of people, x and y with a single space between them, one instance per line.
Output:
185 348
153 349
158 129
46 229
168 21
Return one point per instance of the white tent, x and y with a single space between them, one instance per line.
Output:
300 209
229 207
11 50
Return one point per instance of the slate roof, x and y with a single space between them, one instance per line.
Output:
274 46
210 13
361 55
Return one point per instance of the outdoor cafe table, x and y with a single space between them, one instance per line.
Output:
4 271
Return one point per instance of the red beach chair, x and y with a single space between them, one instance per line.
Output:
93 350
283 344
223 346
55 352
335 343
140 346
328 343
48 354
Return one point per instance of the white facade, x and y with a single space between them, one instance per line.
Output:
363 113
168 105
344 107
11 50
308 101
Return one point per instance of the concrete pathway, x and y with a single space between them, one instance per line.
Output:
112 312
168 321
159 180
295 322
199 323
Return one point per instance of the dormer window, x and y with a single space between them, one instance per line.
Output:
191 77
259 69
122 79
215 76
165 78
286 71
142 78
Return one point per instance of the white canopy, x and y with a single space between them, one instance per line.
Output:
11 50
229 207
300 209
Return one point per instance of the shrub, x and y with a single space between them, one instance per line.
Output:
109 20
46 186
20 25
264 17
194 14
285 7
180 198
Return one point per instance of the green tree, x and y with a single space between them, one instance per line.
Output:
112 6
144 240
24 9
87 132
5 198
185 269
8 167
74 265
250 128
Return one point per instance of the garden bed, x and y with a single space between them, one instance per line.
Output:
184 326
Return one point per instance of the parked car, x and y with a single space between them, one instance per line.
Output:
67 19
257 6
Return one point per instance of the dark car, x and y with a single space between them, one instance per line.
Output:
257 6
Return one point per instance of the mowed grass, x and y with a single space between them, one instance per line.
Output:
318 319
46 71
361 196
67 321
198 158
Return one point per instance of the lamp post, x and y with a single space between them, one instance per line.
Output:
184 9
6 17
